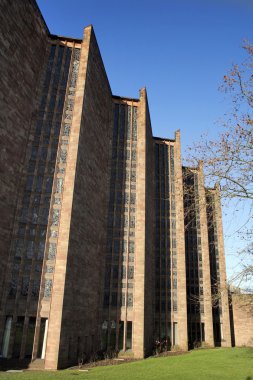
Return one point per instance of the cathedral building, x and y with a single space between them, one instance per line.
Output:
106 240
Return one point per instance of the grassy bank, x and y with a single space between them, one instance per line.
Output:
223 363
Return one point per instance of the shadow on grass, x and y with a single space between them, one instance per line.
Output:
17 364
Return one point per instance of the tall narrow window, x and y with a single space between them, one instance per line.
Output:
129 336
121 335
18 337
44 340
221 331
41 346
175 334
30 337
202 332
6 337
113 335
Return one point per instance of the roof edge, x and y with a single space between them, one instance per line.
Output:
125 98
71 39
163 139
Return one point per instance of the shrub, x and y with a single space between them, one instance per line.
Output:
162 345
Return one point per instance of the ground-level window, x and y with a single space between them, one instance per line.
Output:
121 335
175 334
30 337
42 338
129 336
6 337
202 332
18 337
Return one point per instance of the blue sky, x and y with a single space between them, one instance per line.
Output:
178 49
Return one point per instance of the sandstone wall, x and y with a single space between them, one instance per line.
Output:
149 248
23 40
242 316
74 325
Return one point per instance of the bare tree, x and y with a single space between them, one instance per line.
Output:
229 158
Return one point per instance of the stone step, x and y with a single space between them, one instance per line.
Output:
37 364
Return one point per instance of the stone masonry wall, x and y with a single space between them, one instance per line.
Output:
180 317
207 317
139 283
74 325
243 319
226 341
149 247
23 40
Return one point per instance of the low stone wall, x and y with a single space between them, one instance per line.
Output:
242 307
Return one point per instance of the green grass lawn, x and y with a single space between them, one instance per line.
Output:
220 363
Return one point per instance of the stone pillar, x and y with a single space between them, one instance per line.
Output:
207 318
224 318
56 307
181 316
139 301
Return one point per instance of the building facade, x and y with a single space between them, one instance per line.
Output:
107 242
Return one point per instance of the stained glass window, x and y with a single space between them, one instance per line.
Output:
130 272
35 287
30 249
51 251
55 217
41 249
132 221
130 299
54 233
63 156
25 286
59 184
131 247
132 198
48 288
19 248
49 182
21 230
29 183
13 287
49 269
53 154
34 153
66 129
